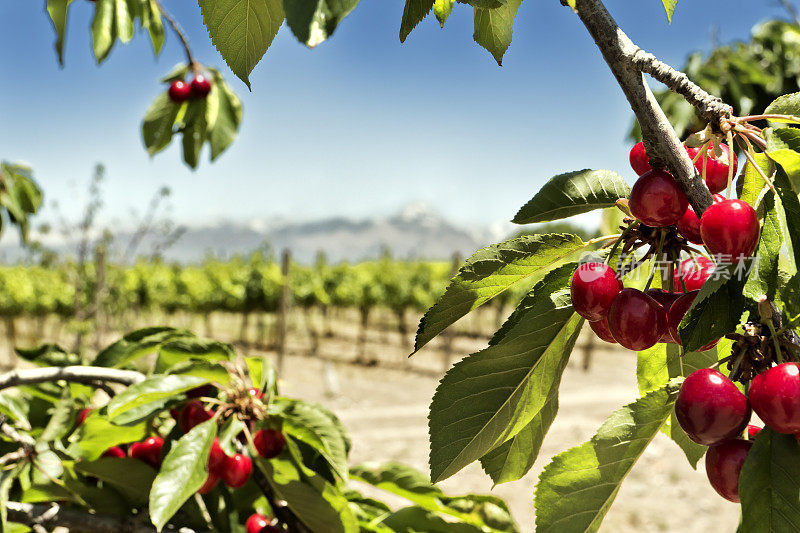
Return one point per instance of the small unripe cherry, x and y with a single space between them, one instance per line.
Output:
657 199
640 162
237 470
148 451
179 91
716 167
200 86
724 463
256 523
269 442
730 228
695 271
636 320
210 483
114 452
593 287
600 328
775 397
710 408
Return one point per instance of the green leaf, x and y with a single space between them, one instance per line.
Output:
750 182
764 280
669 7
442 10
137 344
791 210
655 367
490 396
573 193
317 503
309 423
60 421
313 21
104 30
492 270
159 122
577 488
413 13
769 484
242 30
151 392
402 480
16 408
224 115
49 355
155 27
7 478
97 434
58 10
493 28
787 104
183 471
514 458
783 147
123 21
130 477
194 131
417 519
717 310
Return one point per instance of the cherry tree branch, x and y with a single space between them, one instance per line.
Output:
178 31
282 512
88 375
662 144
53 515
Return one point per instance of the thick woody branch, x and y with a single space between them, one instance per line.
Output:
51 516
662 144
88 375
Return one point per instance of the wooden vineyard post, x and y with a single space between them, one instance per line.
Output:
283 309
449 333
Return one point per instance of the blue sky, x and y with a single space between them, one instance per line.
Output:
357 127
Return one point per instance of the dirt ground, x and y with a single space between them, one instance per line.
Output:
385 411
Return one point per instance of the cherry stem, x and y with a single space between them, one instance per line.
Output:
788 118
731 155
774 334
179 32
756 165
662 236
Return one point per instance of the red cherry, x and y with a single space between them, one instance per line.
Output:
217 458
676 314
716 167
82 416
203 390
695 271
636 320
193 413
689 224
269 443
115 452
179 91
255 393
600 328
710 408
724 464
752 431
657 200
210 483
593 287
200 87
237 470
640 163
148 451
256 523
775 397
666 299
730 228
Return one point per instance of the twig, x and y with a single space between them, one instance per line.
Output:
282 513
74 374
26 441
51 516
662 144
178 31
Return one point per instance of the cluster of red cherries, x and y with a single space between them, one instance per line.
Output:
638 320
715 413
179 91
234 471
